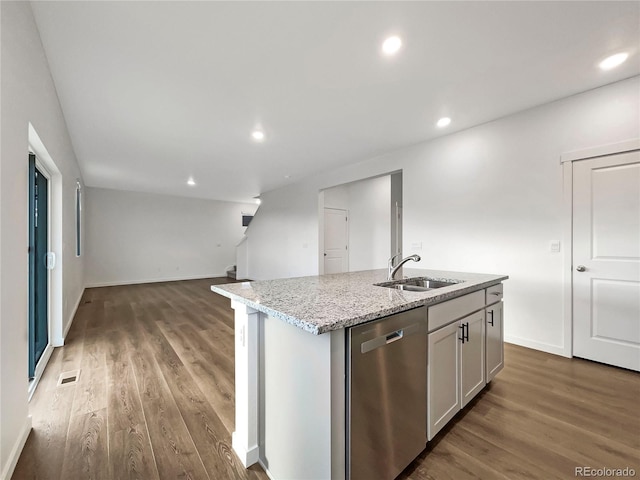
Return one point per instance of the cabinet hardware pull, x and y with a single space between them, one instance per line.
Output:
461 338
490 322
497 294
467 334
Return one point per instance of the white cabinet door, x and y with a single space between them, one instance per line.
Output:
606 259
472 377
495 340
443 376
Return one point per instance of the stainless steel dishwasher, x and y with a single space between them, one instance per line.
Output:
386 395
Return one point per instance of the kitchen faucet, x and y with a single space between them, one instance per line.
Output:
391 264
393 270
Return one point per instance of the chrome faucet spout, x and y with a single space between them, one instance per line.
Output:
393 270
391 265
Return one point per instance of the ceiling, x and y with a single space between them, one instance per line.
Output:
156 92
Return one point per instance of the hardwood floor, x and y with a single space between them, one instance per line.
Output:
155 400
540 418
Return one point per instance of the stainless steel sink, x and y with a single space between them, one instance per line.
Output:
418 284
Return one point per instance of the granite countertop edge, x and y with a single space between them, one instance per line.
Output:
356 316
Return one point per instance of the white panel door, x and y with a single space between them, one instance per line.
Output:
336 241
606 259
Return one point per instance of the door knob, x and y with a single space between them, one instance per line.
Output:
581 268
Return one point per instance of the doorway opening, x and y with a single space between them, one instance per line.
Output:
40 262
360 224
602 298
53 259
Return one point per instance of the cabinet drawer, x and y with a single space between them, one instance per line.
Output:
447 312
494 294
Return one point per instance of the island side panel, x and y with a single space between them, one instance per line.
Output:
338 404
245 437
296 403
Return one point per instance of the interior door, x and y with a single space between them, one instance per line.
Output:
606 259
38 273
336 241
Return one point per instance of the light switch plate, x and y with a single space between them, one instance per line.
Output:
416 246
554 246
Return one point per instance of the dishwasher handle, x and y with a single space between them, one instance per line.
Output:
392 337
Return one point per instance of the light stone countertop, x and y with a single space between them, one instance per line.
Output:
319 304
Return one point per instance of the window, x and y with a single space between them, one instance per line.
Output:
78 218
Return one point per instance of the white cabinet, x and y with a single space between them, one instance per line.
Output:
494 340
456 364
464 354
493 294
472 363
443 372
444 313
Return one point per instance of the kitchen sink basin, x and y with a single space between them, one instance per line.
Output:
417 284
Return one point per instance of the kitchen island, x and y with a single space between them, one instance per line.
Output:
292 365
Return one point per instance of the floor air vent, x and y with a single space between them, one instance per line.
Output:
68 378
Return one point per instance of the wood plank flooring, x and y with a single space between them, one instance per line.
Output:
540 418
155 400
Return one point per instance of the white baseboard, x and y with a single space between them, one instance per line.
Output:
73 315
12 461
266 470
155 280
247 457
59 342
543 347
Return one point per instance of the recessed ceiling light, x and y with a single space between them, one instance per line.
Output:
257 135
443 122
258 201
287 176
613 61
191 182
391 45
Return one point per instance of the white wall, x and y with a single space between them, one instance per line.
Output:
6 467
28 96
139 237
488 199
370 223
242 260
337 197
283 235
368 203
